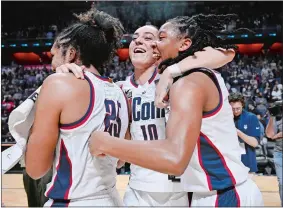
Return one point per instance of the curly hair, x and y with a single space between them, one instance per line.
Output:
201 30
95 35
236 97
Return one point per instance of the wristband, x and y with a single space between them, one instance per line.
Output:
174 70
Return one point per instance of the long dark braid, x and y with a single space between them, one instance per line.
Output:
201 30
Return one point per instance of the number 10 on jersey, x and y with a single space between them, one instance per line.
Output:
149 131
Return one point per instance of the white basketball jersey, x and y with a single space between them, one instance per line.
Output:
216 160
76 173
148 123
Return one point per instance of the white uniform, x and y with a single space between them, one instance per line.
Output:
80 179
215 174
147 187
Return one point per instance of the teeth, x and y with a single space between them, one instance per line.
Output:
139 50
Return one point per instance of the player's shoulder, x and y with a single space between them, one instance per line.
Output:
191 80
251 115
63 84
61 79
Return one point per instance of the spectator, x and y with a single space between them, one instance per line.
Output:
260 102
276 93
8 103
248 130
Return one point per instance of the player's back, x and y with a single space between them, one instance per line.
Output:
216 160
147 123
77 174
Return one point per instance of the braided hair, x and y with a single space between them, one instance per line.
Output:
95 35
201 30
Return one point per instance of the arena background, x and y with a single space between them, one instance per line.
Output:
27 34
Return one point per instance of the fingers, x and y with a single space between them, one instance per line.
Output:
77 70
161 98
62 69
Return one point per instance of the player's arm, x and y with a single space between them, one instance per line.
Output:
172 155
44 136
253 136
209 58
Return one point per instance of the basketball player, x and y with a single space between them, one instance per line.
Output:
69 109
201 140
146 187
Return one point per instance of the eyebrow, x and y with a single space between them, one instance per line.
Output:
145 33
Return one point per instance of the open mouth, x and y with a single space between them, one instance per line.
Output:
139 50
156 55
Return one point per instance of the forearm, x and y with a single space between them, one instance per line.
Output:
270 128
159 153
222 57
252 141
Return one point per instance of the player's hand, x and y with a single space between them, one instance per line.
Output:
96 141
67 68
162 89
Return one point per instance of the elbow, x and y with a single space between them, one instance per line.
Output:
33 173
179 170
36 171
269 134
177 167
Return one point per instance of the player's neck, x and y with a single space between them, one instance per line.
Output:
143 75
93 70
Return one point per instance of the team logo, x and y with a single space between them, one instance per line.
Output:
128 94
245 126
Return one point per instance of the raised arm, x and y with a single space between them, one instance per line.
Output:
209 58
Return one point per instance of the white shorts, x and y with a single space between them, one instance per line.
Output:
139 198
111 199
246 194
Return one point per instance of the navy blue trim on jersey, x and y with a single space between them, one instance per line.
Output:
212 76
88 112
227 198
133 81
153 76
63 180
60 203
218 107
214 165
107 79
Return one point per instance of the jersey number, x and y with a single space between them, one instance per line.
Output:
152 132
112 120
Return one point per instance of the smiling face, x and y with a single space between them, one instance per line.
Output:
140 49
171 42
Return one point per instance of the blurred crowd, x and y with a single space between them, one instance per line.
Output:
17 84
134 14
258 78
